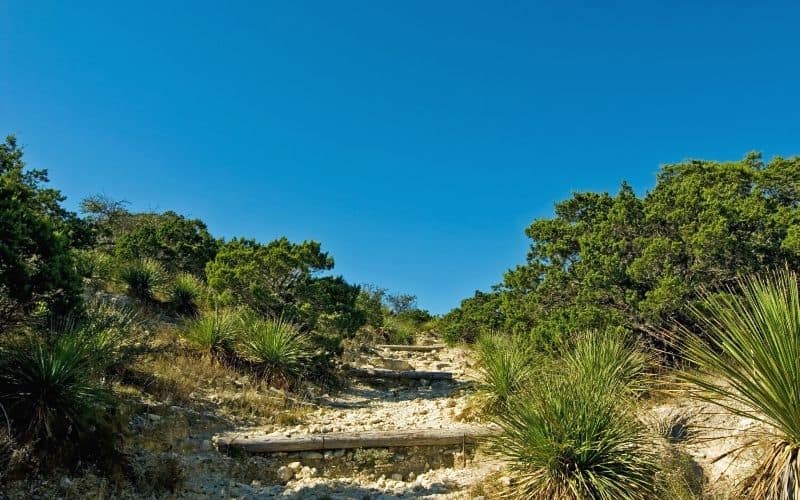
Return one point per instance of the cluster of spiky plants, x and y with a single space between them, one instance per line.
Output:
50 388
184 293
143 278
568 426
609 357
567 439
747 361
506 368
279 347
214 333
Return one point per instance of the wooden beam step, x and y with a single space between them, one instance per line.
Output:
398 374
350 440
414 348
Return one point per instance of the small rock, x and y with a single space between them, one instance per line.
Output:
65 483
153 417
312 455
285 474
411 477
397 477
505 481
255 483
295 466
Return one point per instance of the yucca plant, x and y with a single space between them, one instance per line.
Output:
747 361
278 346
105 329
608 357
143 278
214 333
568 437
184 293
50 389
506 366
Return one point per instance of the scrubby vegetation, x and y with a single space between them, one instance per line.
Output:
620 295
110 316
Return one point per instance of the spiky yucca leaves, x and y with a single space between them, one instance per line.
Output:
143 278
506 366
569 428
50 390
278 346
748 362
184 293
610 357
568 437
214 333
105 329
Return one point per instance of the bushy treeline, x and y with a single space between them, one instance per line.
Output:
67 330
634 263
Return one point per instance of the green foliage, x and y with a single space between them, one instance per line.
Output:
94 265
399 330
267 278
568 437
36 265
279 279
108 331
746 362
214 333
278 346
507 366
608 357
478 315
50 389
370 303
622 261
178 243
143 278
184 293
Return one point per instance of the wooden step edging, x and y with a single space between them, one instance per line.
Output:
398 374
350 440
414 348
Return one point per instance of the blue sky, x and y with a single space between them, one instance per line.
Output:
415 140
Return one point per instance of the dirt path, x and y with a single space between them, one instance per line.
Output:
376 405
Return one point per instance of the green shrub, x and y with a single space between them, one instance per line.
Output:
399 330
93 265
278 346
50 389
143 278
506 367
109 331
610 357
746 362
214 333
568 437
184 293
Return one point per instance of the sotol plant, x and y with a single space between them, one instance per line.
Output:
143 278
506 368
184 293
747 361
570 432
278 346
50 390
214 333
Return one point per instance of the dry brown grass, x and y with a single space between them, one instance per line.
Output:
169 374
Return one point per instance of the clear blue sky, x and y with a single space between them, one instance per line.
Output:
415 140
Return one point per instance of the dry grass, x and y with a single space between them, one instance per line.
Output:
169 374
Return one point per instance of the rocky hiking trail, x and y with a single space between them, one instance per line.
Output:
395 431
